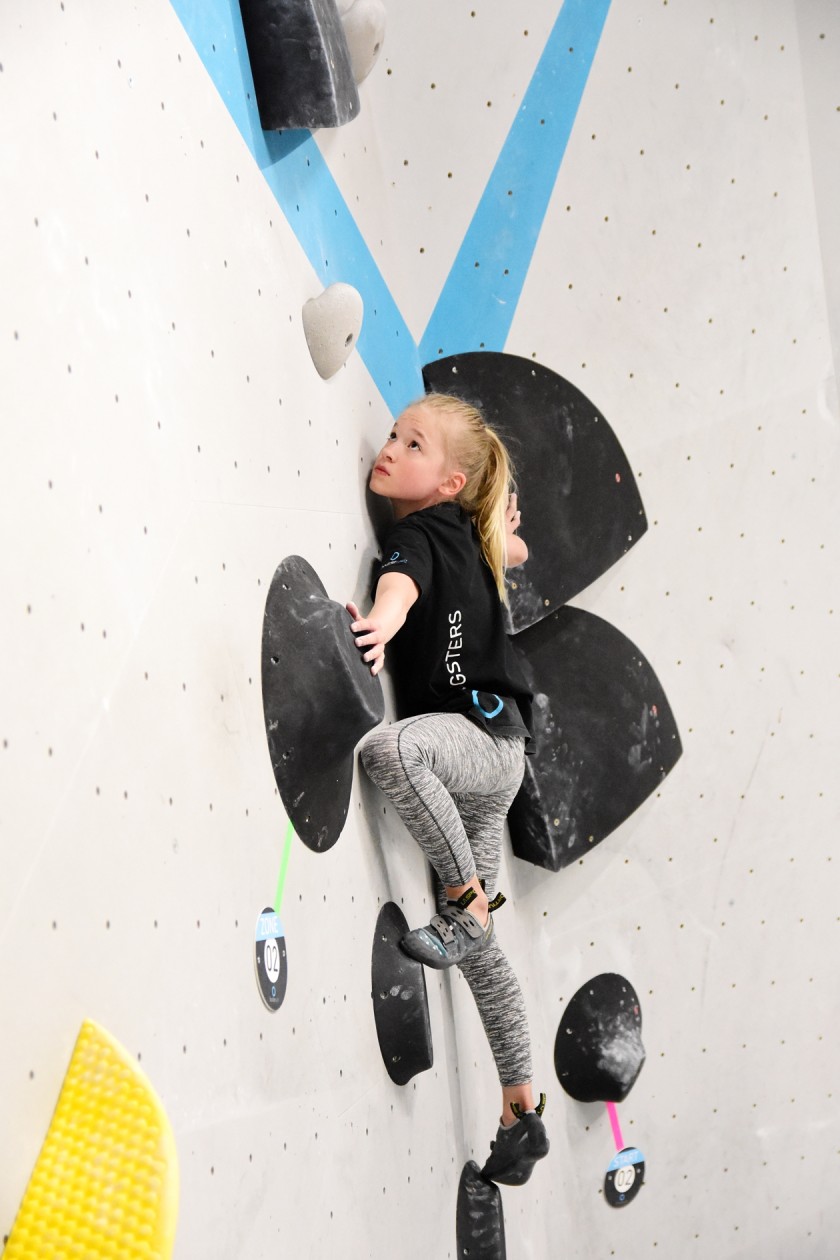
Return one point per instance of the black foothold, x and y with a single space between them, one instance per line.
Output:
480 1221
319 699
299 58
400 1002
581 508
598 1051
604 732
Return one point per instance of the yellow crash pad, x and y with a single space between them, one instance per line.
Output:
106 1181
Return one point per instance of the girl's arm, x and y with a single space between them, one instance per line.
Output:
395 594
516 550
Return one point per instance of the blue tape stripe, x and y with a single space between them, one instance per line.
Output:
476 307
308 195
477 304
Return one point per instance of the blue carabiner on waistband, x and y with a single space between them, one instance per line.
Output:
495 712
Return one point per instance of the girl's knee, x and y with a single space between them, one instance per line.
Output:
394 749
378 751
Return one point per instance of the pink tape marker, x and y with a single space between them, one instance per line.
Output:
616 1127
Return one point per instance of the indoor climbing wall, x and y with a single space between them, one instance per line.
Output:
639 196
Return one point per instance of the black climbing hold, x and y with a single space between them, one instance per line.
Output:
480 1221
319 699
604 732
400 1003
581 508
299 58
598 1051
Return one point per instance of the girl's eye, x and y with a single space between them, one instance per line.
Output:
414 443
392 437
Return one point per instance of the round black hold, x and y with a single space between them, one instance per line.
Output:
598 1051
625 1177
271 959
400 1002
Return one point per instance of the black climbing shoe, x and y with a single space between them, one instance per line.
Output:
451 936
517 1148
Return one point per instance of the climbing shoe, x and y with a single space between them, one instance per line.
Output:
517 1147
451 936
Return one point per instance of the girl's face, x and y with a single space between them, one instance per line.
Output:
412 469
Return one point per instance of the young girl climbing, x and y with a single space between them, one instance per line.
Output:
454 763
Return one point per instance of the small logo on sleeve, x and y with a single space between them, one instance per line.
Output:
395 558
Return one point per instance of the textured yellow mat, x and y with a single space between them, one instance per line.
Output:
106 1181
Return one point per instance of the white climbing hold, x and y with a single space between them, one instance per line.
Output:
364 29
331 324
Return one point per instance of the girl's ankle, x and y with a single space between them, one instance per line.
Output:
479 907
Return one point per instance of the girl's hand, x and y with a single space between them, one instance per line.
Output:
373 638
513 517
395 594
516 547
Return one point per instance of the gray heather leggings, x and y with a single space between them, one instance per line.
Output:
452 784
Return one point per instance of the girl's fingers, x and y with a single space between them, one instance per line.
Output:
376 658
370 640
366 636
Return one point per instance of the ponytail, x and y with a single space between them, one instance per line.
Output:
490 505
482 456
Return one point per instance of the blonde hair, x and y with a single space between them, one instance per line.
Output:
481 455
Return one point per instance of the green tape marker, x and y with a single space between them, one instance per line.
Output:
281 881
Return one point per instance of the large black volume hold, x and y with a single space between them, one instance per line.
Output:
604 733
319 699
581 508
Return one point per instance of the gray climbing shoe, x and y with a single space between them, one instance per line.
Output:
451 936
518 1147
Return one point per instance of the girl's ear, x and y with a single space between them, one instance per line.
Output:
452 486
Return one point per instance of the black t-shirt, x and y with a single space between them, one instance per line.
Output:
452 655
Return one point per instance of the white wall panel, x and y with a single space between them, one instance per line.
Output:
167 441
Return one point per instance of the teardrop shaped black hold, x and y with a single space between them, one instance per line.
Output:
400 1001
300 62
598 1051
604 732
319 699
581 508
479 1220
